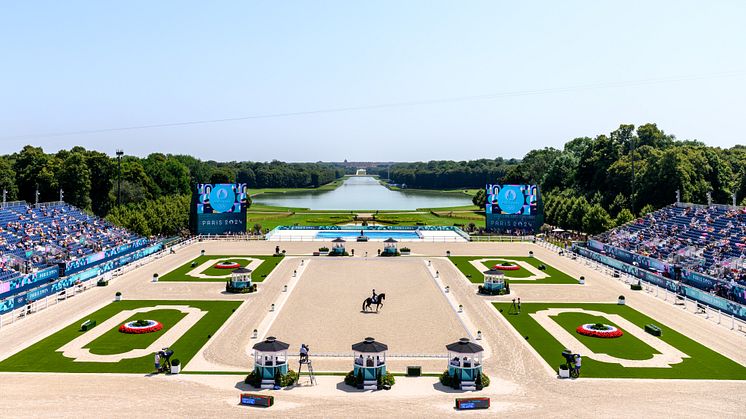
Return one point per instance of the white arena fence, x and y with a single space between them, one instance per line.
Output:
687 304
441 239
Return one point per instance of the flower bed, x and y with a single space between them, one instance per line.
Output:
506 267
141 326
227 265
599 330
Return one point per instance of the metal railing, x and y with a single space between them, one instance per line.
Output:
28 309
689 305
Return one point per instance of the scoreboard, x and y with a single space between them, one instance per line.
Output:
219 208
513 207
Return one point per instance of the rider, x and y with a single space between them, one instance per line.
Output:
374 298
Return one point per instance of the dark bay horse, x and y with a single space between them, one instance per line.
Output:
379 302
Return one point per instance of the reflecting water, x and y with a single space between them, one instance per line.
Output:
361 193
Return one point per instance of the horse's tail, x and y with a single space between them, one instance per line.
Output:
365 301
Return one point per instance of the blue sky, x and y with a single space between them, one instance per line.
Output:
70 66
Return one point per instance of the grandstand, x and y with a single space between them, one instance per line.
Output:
41 243
709 240
51 233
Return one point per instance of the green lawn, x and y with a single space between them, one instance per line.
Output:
521 273
279 216
43 356
272 220
325 187
260 273
625 346
555 275
114 341
703 363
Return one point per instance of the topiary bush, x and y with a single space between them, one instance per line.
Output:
482 381
446 379
288 379
253 379
388 379
350 379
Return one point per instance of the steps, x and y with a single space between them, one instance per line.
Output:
268 383
468 386
370 385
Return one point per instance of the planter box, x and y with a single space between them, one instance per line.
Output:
563 373
175 369
102 283
87 325
635 287
581 281
117 298
323 253
404 252
653 329
621 301
414 371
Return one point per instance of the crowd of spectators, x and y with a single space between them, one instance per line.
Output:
35 237
710 240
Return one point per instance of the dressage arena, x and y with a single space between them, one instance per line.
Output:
49 367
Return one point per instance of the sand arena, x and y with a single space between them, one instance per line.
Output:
322 308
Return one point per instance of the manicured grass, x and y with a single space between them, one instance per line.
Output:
703 363
325 187
43 356
115 342
260 273
272 220
428 218
555 275
625 346
521 273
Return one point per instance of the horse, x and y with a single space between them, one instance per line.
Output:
379 302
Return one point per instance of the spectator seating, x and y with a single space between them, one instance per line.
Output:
709 240
36 237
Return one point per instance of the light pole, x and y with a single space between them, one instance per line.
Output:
632 157
120 153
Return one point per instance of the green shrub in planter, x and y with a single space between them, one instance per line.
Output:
485 380
253 379
350 379
388 379
445 379
175 363
636 287
288 379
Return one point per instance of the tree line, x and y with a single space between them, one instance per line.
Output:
154 191
447 174
591 184
594 184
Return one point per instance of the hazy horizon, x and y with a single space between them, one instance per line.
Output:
390 81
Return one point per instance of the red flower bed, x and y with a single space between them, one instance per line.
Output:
227 265
506 267
600 333
140 330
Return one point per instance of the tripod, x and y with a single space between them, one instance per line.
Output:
515 307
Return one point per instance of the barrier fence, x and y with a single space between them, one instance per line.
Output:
690 305
63 294
510 239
